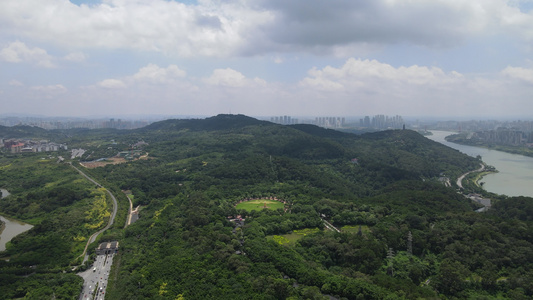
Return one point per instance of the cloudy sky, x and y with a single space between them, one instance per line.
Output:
267 57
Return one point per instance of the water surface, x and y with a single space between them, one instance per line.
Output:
515 172
4 193
12 229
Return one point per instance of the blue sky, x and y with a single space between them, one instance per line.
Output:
443 58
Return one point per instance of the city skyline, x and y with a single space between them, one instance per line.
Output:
462 59
378 121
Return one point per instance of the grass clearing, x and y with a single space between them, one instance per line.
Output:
285 239
259 204
291 238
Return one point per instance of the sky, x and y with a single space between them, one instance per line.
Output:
436 58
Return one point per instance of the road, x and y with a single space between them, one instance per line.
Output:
128 219
460 179
95 278
330 226
111 219
133 214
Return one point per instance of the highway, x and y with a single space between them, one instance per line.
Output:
95 278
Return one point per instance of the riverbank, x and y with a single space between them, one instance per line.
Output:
513 178
462 139
4 193
460 178
2 226
479 177
11 228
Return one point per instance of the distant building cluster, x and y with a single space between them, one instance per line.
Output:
284 120
505 137
382 122
130 155
124 124
62 123
482 125
23 146
377 121
330 122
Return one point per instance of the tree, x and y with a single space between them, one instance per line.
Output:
451 277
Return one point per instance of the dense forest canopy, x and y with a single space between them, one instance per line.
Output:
402 233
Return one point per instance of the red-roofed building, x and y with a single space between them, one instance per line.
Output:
16 148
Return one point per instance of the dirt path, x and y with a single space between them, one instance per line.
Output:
128 219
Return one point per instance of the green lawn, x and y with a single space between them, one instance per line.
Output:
292 237
259 204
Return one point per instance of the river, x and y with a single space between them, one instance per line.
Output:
12 229
4 193
515 172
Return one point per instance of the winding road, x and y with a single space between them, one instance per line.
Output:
460 179
111 219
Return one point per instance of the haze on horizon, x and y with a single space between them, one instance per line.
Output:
267 57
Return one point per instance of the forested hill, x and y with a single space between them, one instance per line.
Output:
403 233
403 150
220 122
23 131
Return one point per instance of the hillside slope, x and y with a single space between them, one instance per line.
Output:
403 234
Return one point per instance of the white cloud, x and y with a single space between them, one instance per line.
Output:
75 57
277 60
227 28
151 74
112 84
15 83
354 88
368 86
155 74
17 52
338 26
210 28
356 74
49 91
56 88
157 89
519 73
320 82
232 78
227 77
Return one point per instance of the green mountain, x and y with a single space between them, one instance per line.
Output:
23 131
403 233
